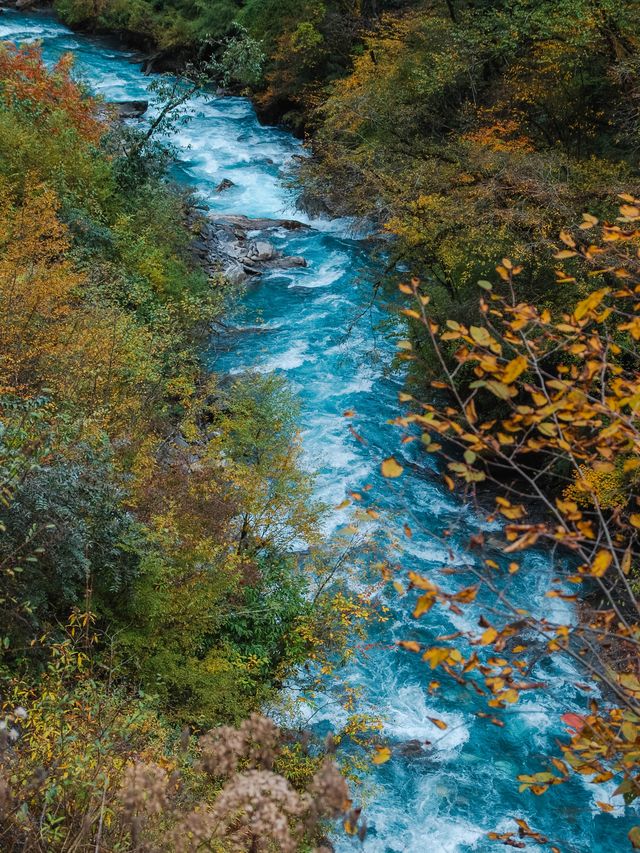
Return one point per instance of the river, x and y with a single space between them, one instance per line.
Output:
465 786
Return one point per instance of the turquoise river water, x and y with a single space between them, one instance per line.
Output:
448 799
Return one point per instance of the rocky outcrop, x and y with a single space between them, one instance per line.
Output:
130 109
245 223
238 247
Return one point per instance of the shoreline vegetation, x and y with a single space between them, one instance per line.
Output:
148 515
465 132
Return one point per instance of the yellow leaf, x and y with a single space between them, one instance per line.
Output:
480 336
499 389
439 723
435 656
601 563
630 211
424 604
409 312
382 755
390 468
488 637
590 303
588 221
510 695
515 367
567 239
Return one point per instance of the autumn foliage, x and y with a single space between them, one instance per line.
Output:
48 94
561 454
147 511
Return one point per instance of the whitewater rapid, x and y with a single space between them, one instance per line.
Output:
448 800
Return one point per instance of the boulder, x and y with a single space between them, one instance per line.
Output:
262 250
245 223
410 748
225 184
287 262
130 109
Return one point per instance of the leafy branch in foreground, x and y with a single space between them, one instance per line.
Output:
559 455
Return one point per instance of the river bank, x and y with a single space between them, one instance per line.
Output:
157 58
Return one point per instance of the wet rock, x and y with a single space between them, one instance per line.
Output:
225 184
410 748
288 263
262 250
200 248
235 273
130 109
25 4
168 59
232 245
245 223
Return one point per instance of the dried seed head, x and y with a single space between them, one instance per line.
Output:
221 750
261 738
197 831
262 807
144 790
329 790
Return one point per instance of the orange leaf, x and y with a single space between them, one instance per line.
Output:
409 645
574 721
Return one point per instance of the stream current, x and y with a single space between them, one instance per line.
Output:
464 786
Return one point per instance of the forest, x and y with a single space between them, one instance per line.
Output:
156 600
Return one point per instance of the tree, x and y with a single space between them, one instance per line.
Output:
259 446
561 453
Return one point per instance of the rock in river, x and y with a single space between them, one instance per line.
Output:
225 184
130 109
234 246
